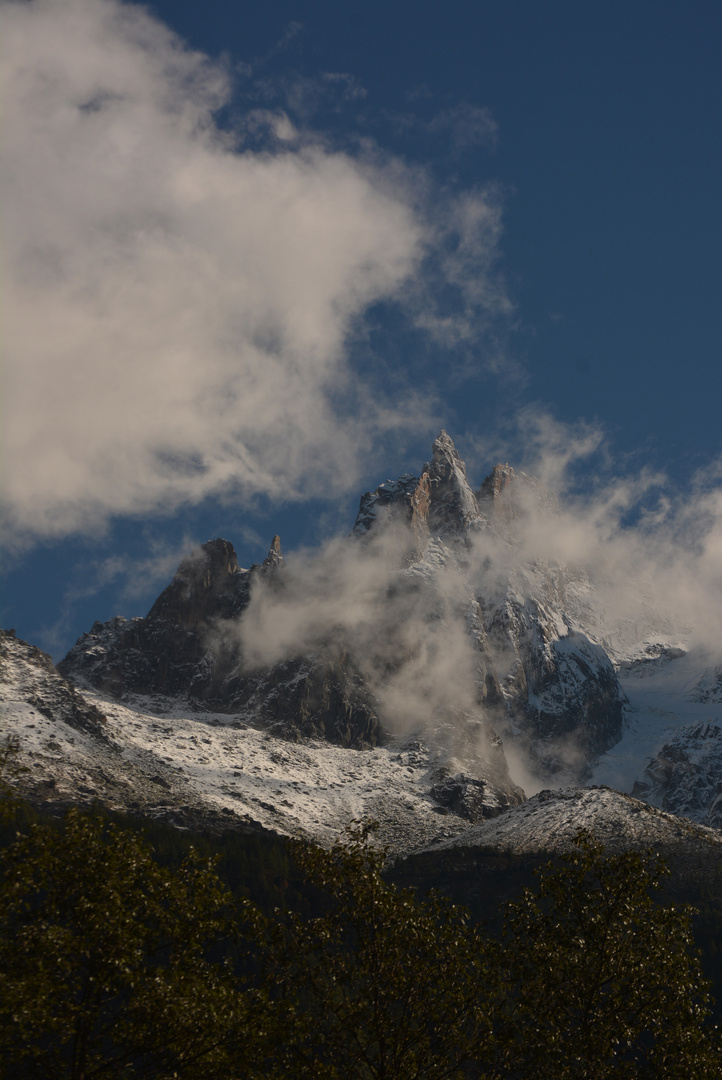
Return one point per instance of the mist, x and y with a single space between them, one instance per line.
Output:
628 562
181 299
403 625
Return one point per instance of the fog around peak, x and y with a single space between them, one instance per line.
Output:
626 563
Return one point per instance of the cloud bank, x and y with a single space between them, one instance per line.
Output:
631 561
652 550
178 309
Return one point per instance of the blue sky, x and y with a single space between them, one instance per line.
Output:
257 255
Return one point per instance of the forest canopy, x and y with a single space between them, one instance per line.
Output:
113 964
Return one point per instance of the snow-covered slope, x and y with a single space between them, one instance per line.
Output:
162 759
670 753
422 671
550 820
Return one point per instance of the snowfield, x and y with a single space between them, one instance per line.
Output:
550 821
664 692
162 759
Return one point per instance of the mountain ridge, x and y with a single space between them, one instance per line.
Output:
423 642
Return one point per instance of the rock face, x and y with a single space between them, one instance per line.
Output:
709 688
528 674
560 689
685 777
178 649
313 698
506 496
168 651
37 683
550 820
453 510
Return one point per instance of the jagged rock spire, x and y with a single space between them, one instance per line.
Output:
500 477
506 496
274 557
453 508
440 501
194 594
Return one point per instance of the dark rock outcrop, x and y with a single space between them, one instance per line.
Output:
38 683
316 698
685 777
538 679
169 651
186 646
471 797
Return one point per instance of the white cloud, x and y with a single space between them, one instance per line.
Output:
657 577
176 310
407 637
652 549
463 263
349 87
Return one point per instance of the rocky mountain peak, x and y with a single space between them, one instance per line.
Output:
452 505
444 452
403 502
274 557
498 480
506 496
199 581
439 501
208 564
499 495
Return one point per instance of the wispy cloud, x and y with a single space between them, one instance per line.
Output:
651 549
630 560
462 127
348 85
132 577
353 602
177 305
471 291
466 126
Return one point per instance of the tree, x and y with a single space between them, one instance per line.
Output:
603 979
594 978
9 766
381 985
105 972
104 968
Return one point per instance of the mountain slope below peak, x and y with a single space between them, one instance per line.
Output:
550 821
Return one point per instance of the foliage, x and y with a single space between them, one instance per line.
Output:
113 965
103 959
9 766
603 980
253 864
381 985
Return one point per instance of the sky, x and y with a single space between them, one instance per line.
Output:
255 257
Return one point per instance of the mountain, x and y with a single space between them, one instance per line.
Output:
550 820
535 674
177 649
685 776
423 670
169 761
